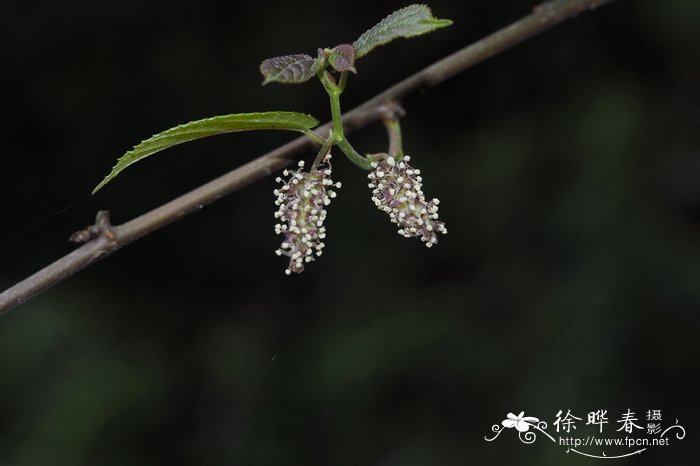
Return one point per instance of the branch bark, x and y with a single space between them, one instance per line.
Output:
111 239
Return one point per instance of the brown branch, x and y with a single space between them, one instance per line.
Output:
103 241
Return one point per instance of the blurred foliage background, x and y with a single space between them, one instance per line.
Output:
568 172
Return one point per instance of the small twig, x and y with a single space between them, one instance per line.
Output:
102 226
543 17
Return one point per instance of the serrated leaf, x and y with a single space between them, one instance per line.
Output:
290 69
411 21
209 127
342 58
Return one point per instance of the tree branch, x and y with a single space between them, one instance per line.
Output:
106 241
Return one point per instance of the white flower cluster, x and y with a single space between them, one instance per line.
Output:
397 191
302 201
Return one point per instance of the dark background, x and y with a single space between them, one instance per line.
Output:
568 172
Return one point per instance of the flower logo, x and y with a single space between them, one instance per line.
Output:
520 422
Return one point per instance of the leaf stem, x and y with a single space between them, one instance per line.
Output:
314 137
343 80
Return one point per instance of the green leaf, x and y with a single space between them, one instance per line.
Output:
210 127
410 21
290 69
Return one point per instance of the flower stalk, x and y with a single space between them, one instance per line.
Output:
334 91
393 129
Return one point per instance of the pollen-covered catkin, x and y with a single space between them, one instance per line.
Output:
302 199
397 190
